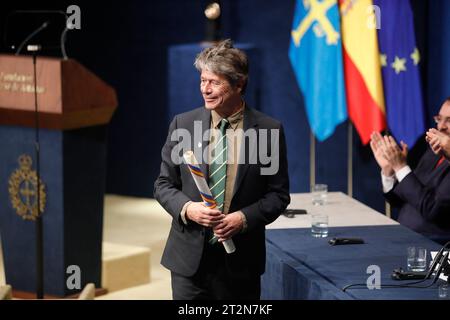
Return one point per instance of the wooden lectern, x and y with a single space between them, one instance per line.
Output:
74 108
69 95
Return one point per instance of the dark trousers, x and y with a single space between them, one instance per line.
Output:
214 280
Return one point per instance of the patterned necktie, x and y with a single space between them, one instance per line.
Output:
218 168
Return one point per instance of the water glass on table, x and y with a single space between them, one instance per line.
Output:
417 259
319 194
443 291
319 225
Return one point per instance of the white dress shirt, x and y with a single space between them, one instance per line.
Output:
388 182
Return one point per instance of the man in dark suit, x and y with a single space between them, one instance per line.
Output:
423 195
248 194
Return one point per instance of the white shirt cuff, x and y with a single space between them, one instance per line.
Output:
402 173
388 182
183 212
244 221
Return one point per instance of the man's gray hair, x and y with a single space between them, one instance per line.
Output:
222 58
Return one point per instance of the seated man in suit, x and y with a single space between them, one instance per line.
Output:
246 197
423 195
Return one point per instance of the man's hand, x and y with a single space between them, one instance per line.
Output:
439 142
393 154
201 214
435 145
378 145
230 225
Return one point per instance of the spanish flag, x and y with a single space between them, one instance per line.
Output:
364 86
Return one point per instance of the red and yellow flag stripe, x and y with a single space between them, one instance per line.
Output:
364 85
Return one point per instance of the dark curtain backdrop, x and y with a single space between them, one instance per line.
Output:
125 43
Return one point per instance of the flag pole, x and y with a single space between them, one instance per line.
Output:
350 159
387 209
387 206
312 160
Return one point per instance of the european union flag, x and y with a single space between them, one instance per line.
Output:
316 56
400 60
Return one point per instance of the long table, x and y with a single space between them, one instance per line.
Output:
300 266
341 209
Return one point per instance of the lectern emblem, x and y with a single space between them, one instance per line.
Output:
23 190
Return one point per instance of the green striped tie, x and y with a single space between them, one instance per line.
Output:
218 168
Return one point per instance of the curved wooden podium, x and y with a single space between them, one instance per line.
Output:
69 95
74 108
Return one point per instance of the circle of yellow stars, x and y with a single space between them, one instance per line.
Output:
399 64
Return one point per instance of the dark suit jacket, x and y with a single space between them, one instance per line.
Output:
262 198
424 198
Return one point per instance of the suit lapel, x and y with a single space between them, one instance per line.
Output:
246 149
198 143
428 171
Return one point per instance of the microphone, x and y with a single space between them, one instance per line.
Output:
399 274
343 241
31 35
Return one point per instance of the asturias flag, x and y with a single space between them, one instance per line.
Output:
400 66
316 56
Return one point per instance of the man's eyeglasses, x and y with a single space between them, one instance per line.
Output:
438 119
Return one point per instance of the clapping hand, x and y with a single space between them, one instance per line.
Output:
377 144
388 154
439 142
394 155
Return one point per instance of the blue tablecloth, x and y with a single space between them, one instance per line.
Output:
300 266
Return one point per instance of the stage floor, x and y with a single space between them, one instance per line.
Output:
135 222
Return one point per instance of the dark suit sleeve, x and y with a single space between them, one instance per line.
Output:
276 199
393 199
167 188
432 203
